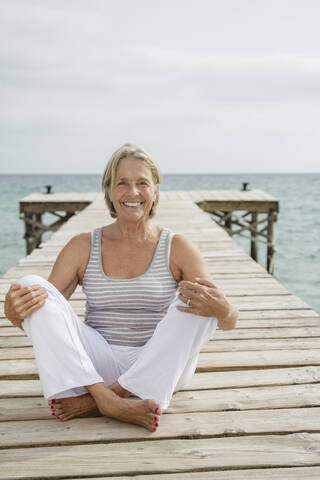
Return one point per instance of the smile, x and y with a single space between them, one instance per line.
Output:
132 204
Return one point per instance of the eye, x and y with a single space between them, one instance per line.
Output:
120 183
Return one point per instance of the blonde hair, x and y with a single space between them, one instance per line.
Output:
109 174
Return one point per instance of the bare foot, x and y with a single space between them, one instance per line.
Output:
71 407
145 413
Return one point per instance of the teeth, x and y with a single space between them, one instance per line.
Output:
128 204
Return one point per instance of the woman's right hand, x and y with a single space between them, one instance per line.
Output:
20 302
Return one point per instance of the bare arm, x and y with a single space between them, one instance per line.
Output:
70 264
196 288
65 276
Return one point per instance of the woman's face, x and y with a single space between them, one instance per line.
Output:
133 191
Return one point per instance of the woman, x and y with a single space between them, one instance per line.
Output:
142 333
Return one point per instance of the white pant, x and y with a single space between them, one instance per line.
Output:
71 355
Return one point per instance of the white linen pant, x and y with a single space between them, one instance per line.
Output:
71 355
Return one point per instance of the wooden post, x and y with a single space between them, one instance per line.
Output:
228 223
254 238
28 235
38 230
272 217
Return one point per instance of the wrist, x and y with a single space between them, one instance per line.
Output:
229 319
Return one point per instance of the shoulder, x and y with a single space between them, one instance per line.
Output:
186 260
82 239
181 245
80 242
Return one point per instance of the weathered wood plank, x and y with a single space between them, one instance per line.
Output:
148 457
213 361
256 344
258 333
213 346
236 334
83 430
200 381
256 359
251 398
295 473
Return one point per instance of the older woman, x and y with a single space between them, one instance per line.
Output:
150 307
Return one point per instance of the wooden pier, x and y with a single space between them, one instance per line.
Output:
250 412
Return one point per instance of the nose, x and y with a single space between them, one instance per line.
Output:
133 190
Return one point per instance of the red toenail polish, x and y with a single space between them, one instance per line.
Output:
154 429
52 413
157 424
52 407
157 410
52 401
58 418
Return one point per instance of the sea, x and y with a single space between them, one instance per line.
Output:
297 231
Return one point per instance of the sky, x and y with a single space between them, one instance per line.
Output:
206 86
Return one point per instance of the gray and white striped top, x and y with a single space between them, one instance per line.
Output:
127 311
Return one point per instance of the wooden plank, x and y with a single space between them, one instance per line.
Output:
235 334
213 361
20 388
299 449
263 319
240 360
246 333
21 341
251 398
213 346
16 353
200 381
298 333
295 473
245 345
191 425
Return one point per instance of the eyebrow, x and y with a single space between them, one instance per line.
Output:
140 178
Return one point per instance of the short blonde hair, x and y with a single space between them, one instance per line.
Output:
109 174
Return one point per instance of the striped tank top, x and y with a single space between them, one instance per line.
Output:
127 311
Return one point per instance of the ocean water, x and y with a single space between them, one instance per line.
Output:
297 231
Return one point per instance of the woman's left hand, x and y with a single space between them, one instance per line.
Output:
206 299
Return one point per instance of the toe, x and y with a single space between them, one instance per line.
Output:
158 410
65 416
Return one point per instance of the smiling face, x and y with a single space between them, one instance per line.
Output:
133 192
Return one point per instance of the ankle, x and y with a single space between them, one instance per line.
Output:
119 390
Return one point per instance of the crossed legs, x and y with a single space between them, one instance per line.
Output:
79 370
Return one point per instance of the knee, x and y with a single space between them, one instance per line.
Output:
29 280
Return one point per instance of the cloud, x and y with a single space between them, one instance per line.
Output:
242 78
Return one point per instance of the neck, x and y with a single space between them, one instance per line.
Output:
135 231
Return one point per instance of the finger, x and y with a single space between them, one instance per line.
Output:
187 309
186 292
14 286
33 298
26 290
191 286
189 300
204 281
32 309
30 299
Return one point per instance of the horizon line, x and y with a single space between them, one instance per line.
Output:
171 173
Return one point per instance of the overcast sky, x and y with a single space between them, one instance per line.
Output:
203 85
